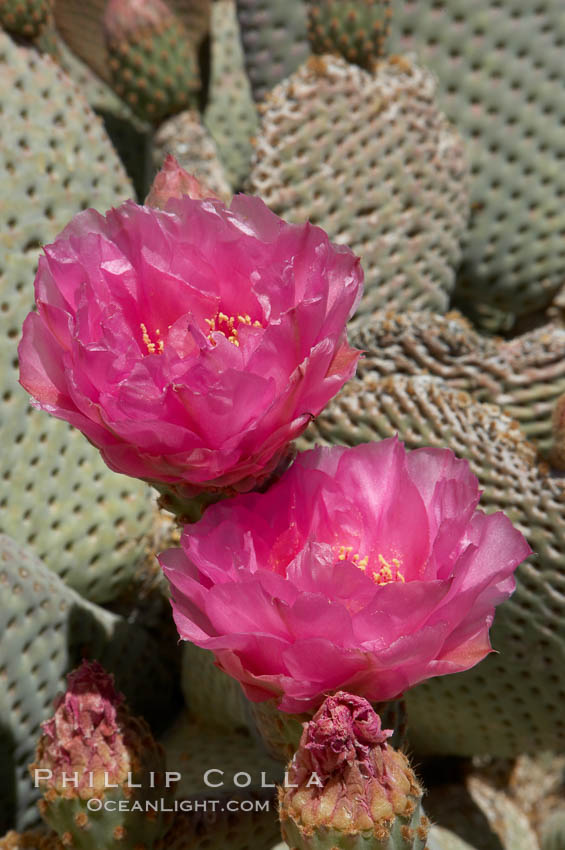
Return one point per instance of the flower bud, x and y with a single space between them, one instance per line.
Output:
97 766
172 181
347 787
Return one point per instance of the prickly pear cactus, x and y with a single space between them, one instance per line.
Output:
355 29
511 702
275 41
500 82
46 629
56 494
525 376
231 115
185 137
25 18
372 161
151 58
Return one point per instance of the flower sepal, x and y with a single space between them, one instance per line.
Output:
186 510
189 506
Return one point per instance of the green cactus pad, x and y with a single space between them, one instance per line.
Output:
25 18
372 161
524 376
46 630
512 701
86 522
275 41
499 66
185 137
84 829
242 828
213 698
151 59
355 29
230 116
235 758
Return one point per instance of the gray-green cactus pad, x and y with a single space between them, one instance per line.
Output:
46 630
275 41
235 760
372 160
231 115
213 698
512 701
524 376
500 71
244 828
86 522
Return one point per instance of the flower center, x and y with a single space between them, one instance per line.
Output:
228 326
152 347
387 572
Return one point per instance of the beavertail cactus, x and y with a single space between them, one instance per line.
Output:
152 61
354 29
25 18
499 70
525 376
372 160
86 523
94 751
231 115
275 40
347 788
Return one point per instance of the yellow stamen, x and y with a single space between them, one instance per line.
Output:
387 573
150 345
230 331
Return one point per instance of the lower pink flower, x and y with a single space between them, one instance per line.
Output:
368 569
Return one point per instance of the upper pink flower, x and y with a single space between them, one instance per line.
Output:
368 569
190 344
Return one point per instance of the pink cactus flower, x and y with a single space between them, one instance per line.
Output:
368 569
190 344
